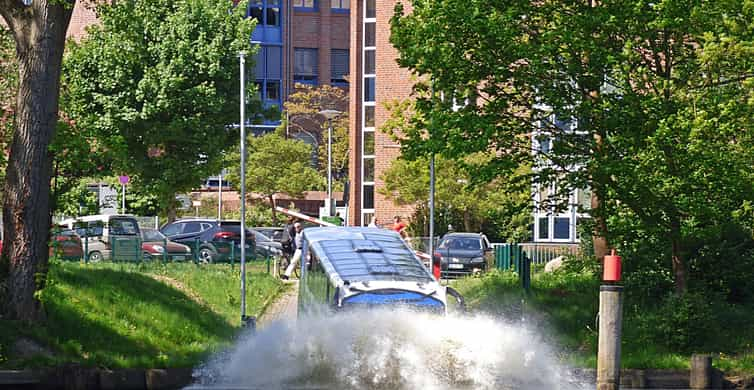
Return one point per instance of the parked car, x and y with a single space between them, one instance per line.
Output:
214 240
66 244
265 246
155 245
100 231
187 231
273 233
463 253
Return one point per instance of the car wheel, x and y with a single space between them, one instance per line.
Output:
146 256
206 255
95 256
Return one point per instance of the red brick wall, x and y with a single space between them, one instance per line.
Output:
83 16
322 29
392 83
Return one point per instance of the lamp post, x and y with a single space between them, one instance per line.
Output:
329 115
242 124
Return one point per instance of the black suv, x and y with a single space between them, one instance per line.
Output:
463 253
215 239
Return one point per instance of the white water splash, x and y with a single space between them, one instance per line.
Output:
390 350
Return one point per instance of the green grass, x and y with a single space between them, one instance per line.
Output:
148 315
565 305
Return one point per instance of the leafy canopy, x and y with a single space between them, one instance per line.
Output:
156 85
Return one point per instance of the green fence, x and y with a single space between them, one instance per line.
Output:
511 257
71 247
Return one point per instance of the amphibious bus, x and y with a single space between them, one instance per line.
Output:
361 267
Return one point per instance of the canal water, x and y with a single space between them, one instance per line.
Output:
390 350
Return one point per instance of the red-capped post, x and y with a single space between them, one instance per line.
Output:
610 324
611 267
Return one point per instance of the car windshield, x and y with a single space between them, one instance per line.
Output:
152 235
461 243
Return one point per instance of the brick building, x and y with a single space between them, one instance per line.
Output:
302 41
376 79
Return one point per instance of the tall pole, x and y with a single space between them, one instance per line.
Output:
243 188
329 168
431 208
432 188
123 199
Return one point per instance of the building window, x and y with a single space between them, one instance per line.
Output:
305 4
561 228
368 196
273 90
340 5
369 169
369 61
370 33
369 89
266 12
268 74
368 116
369 143
366 220
543 224
371 9
305 66
339 59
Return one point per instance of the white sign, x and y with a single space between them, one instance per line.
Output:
196 203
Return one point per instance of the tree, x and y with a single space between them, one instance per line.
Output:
275 165
471 203
637 99
156 84
39 33
303 116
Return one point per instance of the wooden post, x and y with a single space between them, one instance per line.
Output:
701 372
608 350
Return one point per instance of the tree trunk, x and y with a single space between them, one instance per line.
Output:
599 235
39 31
274 212
679 268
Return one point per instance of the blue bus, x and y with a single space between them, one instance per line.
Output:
361 267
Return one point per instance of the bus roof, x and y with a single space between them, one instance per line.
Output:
362 254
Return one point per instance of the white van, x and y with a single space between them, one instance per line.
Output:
99 232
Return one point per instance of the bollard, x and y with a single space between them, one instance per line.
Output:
701 372
608 349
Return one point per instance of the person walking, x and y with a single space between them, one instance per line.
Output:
373 222
299 242
288 240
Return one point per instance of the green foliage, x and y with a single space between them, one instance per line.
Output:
276 165
660 118
661 333
154 86
500 207
149 315
303 117
77 201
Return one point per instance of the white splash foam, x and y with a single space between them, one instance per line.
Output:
391 350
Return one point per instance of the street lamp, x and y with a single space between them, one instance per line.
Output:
329 115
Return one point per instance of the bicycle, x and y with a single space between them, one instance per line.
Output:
285 260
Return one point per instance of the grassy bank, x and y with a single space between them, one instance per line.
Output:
129 315
565 305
